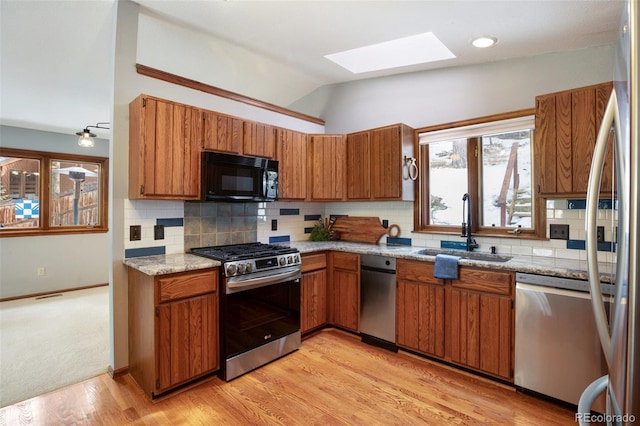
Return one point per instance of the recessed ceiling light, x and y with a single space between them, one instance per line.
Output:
412 50
484 41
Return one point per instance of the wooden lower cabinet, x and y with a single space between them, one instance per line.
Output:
344 294
469 321
480 332
173 328
313 292
420 319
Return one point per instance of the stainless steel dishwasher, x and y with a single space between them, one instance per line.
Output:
378 301
557 349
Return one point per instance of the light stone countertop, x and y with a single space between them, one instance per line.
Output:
163 264
565 268
172 263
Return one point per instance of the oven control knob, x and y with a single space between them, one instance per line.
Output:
241 268
231 269
296 259
289 260
249 268
282 261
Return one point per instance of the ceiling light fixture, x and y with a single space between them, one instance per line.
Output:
85 139
484 41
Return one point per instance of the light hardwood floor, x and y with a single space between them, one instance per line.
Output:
334 379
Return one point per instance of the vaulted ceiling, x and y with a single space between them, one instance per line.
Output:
56 68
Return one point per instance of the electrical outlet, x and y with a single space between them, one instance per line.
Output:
135 232
558 232
274 224
600 234
158 232
385 223
41 271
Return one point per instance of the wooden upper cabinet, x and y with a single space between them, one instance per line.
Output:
567 125
164 149
326 167
259 140
359 170
291 153
223 133
376 164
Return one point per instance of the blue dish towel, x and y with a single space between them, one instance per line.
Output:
446 267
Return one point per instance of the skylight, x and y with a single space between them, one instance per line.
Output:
401 52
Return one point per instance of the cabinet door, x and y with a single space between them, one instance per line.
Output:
386 163
291 154
164 150
359 170
313 307
344 304
480 321
567 124
222 133
187 340
259 140
420 309
326 167
480 332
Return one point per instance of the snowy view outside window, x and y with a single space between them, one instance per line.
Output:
505 180
447 181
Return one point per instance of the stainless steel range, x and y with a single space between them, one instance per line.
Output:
260 305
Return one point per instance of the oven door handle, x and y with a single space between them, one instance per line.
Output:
235 285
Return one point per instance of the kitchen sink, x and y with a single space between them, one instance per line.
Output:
471 255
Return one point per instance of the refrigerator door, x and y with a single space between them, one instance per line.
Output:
618 335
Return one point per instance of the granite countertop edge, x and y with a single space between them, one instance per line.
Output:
542 265
566 268
163 264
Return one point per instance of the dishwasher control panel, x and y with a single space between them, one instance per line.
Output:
561 282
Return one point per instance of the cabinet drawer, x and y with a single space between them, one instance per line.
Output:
421 272
190 284
311 262
346 261
485 281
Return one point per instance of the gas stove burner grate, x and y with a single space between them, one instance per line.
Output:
242 251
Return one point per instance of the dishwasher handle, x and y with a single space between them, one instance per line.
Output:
374 269
558 291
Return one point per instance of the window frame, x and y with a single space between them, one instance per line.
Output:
45 227
422 208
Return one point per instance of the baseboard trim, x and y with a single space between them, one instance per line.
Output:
47 293
114 374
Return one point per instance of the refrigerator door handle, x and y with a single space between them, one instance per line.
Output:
611 118
587 398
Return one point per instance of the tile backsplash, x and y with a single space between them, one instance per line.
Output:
197 224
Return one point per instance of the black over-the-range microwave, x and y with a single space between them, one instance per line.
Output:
227 177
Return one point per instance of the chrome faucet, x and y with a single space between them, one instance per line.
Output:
466 226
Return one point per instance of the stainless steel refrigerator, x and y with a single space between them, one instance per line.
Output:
618 330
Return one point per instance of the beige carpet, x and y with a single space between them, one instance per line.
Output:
52 342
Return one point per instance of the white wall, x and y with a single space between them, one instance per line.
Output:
70 261
441 96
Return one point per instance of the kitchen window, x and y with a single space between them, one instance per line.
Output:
48 193
490 158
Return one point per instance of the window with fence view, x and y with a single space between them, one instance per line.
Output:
42 191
